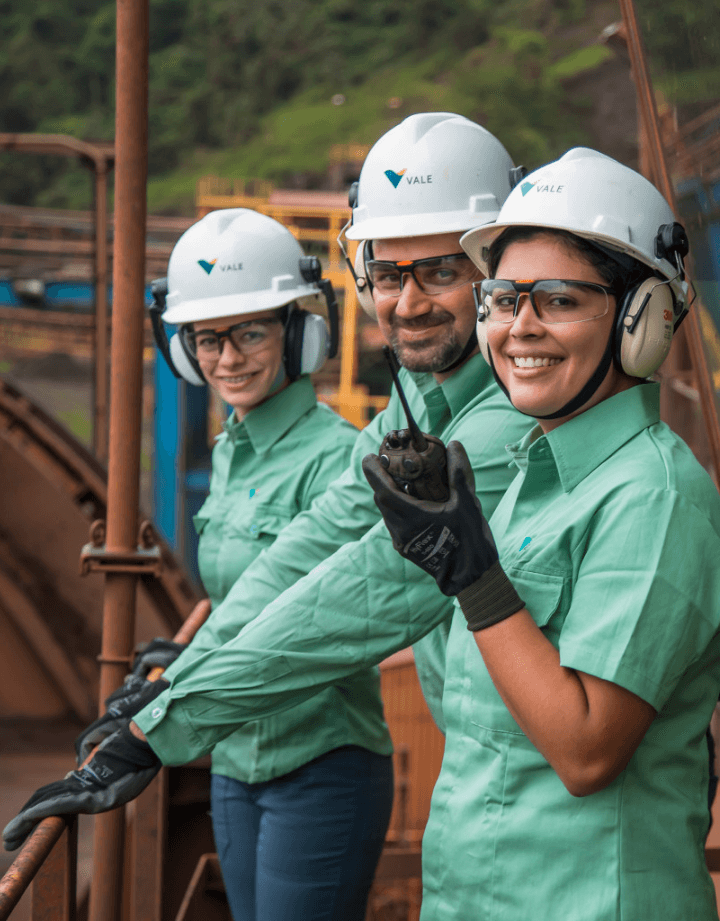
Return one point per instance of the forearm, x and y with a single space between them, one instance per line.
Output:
586 728
343 514
330 625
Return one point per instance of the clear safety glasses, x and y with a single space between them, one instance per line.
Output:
248 338
554 300
433 276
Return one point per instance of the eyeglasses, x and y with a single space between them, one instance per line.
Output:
554 300
433 276
248 337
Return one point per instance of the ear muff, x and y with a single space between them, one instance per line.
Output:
644 328
307 343
180 361
184 362
364 292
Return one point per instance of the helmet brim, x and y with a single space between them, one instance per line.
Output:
230 305
476 242
418 225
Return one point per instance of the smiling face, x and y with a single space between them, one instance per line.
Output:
544 367
244 381
427 332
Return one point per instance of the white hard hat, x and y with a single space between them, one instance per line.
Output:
231 262
435 172
595 197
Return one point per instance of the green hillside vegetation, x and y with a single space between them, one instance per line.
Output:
245 88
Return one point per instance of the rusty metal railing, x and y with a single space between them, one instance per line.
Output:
48 859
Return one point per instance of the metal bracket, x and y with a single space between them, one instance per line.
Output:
146 560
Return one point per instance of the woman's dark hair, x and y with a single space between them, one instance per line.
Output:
613 272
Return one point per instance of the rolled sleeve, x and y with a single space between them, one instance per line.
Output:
647 599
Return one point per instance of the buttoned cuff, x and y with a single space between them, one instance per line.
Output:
169 731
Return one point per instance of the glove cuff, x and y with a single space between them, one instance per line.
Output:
490 599
143 754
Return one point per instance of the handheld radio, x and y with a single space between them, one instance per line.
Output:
416 462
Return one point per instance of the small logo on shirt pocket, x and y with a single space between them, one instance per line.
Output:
524 544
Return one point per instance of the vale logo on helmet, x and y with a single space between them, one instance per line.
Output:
397 178
526 187
208 265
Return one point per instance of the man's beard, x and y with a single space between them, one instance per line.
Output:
436 355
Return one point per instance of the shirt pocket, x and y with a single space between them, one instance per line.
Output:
263 524
543 595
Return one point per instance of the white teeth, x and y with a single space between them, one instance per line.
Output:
535 362
237 380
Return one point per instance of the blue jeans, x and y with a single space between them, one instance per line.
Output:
304 847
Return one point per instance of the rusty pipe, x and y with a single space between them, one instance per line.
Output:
23 869
131 127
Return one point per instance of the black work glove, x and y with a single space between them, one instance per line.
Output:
130 698
158 653
119 770
450 540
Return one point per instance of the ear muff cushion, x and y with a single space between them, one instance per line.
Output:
186 366
364 295
315 344
293 333
641 352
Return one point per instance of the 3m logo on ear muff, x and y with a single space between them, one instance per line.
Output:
395 177
207 266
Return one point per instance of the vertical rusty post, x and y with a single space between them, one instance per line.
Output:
125 404
147 851
54 889
100 380
661 176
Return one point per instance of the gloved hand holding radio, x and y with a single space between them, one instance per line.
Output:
130 698
119 770
450 540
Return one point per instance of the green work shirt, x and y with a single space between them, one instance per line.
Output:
266 469
357 606
611 535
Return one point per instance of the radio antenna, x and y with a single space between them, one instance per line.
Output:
418 439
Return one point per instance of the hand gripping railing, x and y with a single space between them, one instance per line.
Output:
49 856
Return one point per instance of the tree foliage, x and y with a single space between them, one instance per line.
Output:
219 67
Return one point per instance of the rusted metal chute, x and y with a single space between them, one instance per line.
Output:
100 157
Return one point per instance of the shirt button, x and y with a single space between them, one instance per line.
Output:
157 712
253 529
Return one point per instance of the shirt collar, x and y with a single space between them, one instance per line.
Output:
267 423
580 445
463 385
